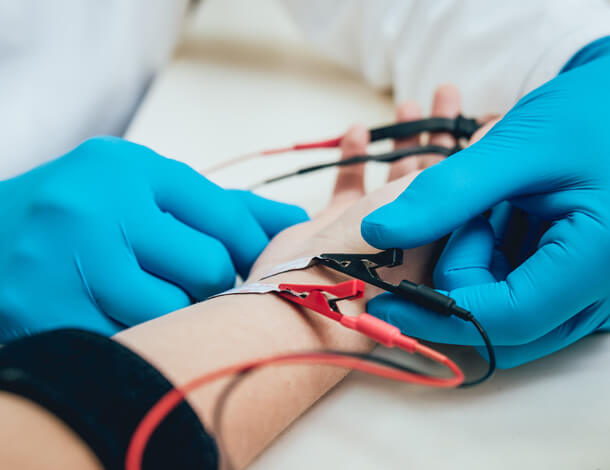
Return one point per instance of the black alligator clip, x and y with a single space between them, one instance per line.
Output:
365 266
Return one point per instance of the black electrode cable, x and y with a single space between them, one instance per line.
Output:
460 127
364 266
388 157
491 368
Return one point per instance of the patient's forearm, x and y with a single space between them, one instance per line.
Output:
231 329
203 338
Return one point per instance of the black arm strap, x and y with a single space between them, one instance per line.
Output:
459 127
102 390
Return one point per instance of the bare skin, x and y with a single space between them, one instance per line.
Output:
231 329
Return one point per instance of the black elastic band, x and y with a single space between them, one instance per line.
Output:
102 390
459 127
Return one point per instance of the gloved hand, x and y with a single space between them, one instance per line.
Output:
112 234
550 157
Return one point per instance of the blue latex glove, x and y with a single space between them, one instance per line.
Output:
550 157
113 234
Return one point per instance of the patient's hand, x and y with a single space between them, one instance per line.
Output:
337 228
230 329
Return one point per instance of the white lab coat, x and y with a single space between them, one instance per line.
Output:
495 51
70 69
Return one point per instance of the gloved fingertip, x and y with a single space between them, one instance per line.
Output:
379 216
398 224
379 306
373 234
296 214
398 312
282 216
273 216
244 262
379 228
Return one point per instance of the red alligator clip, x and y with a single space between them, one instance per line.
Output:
314 297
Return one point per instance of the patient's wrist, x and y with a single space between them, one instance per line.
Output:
310 275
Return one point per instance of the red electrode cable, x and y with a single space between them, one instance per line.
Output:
311 296
459 127
322 144
173 398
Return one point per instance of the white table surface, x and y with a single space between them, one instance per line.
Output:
243 80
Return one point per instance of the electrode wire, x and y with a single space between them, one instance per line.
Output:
491 367
388 157
460 127
364 363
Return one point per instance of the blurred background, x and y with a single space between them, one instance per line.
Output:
243 76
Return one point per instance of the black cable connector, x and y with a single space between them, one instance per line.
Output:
365 266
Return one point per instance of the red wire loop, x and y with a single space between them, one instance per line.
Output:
315 299
173 398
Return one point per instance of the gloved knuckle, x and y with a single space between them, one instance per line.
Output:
52 198
28 251
100 147
101 141
233 205
115 151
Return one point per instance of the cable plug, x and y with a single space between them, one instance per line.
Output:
379 331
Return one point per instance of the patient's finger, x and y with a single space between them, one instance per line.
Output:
350 179
478 135
408 111
447 103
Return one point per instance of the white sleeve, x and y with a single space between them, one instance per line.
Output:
71 69
495 52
